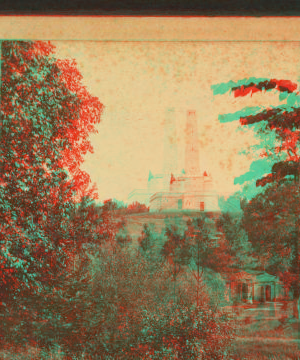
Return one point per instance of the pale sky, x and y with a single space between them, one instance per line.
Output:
138 81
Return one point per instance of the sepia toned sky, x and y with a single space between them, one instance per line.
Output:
138 81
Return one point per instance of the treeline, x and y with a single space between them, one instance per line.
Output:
158 299
120 208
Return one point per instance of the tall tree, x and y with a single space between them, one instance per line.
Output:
238 247
271 220
207 249
150 243
47 115
278 129
176 251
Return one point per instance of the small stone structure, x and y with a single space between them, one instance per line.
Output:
253 286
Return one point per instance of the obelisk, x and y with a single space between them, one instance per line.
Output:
192 165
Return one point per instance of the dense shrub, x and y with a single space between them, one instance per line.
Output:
126 309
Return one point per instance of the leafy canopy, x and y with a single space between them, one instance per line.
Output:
47 115
278 128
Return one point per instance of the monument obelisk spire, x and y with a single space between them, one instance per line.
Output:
192 165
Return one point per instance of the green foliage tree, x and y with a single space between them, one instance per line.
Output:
123 239
46 116
176 251
91 223
150 243
278 130
207 252
238 245
271 220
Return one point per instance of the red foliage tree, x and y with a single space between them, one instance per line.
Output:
46 115
272 218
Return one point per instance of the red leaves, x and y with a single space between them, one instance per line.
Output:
243 91
286 85
38 90
280 85
89 112
48 115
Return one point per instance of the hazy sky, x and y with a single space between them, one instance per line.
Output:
138 81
